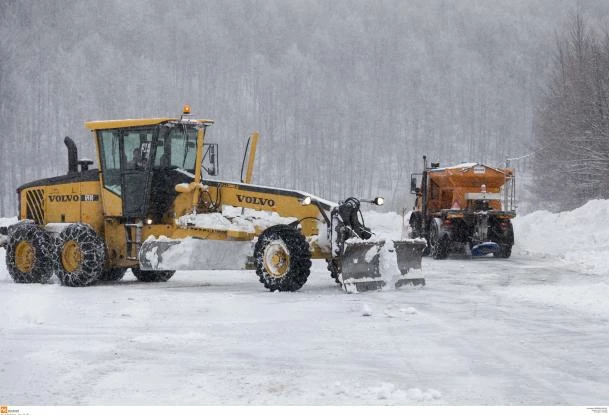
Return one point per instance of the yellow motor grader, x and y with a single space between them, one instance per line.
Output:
153 207
466 208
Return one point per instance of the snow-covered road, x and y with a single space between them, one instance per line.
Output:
483 331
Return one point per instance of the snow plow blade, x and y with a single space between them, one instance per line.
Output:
485 248
372 265
165 254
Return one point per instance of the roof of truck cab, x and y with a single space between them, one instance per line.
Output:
103 125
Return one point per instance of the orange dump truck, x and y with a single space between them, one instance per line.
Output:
465 208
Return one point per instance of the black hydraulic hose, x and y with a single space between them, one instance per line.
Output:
247 146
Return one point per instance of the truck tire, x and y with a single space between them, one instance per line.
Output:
79 256
506 252
29 254
152 276
112 274
438 244
504 237
282 258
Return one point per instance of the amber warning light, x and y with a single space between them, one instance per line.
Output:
186 109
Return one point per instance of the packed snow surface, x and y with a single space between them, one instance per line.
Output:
529 330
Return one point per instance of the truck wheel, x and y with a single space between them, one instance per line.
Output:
506 252
28 254
503 234
79 256
152 276
282 258
112 274
438 245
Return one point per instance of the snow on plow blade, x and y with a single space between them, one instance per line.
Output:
193 254
369 265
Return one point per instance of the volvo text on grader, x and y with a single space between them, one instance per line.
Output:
150 208
465 208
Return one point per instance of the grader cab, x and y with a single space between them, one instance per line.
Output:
153 206
465 208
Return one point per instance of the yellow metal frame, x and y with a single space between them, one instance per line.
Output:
252 156
104 125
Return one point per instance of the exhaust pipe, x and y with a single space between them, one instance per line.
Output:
72 155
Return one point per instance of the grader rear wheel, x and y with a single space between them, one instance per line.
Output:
28 254
79 256
283 258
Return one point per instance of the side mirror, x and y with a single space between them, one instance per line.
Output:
210 159
413 185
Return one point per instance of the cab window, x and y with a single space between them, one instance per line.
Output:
109 141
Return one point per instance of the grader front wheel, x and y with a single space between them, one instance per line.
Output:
282 258
152 276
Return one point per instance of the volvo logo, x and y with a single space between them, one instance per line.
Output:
73 198
64 198
256 200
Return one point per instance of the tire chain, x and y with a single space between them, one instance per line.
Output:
93 254
42 243
300 258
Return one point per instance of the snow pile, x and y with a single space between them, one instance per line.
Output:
388 393
366 310
8 221
194 253
235 219
384 225
206 220
579 237
388 265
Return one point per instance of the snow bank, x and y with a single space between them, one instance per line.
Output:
8 221
384 225
579 237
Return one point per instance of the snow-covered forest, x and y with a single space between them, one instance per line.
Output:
573 126
347 95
